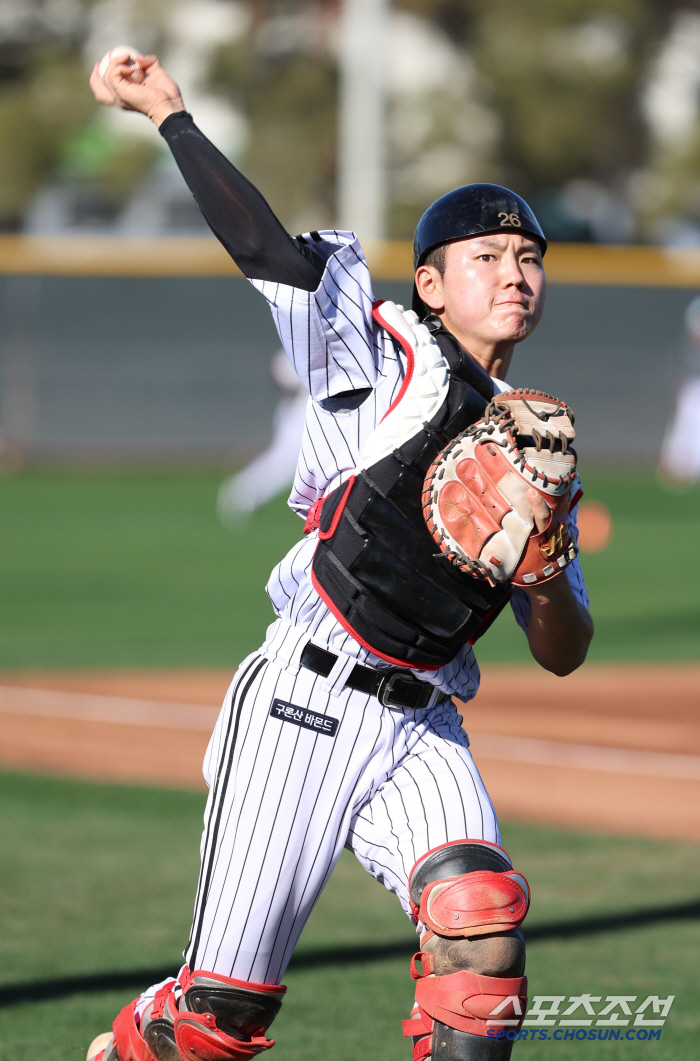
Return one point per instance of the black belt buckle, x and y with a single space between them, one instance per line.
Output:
417 698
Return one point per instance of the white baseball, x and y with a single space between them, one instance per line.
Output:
122 51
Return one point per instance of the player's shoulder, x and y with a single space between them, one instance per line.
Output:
346 285
328 243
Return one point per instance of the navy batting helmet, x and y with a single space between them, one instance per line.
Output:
472 210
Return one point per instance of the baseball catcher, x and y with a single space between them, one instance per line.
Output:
433 494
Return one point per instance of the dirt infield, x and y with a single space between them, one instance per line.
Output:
611 747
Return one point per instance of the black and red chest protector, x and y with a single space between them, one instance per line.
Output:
375 565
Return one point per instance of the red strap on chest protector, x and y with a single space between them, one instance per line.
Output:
313 516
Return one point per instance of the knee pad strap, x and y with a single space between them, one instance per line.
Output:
157 1025
127 1041
473 1003
451 1045
152 1038
466 1001
447 1044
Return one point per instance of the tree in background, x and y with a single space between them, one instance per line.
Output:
443 129
42 42
39 42
564 78
590 108
281 75
666 192
544 95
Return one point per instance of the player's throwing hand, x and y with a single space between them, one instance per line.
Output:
137 84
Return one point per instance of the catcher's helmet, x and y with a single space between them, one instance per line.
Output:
472 210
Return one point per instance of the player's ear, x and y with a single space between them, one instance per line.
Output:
429 286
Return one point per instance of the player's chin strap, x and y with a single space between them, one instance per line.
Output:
216 1018
471 996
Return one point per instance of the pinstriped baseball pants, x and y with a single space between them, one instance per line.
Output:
286 796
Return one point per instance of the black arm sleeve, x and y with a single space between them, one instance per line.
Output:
237 213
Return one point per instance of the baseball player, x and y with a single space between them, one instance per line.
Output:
272 470
679 460
341 730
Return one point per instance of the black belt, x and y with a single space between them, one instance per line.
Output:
393 688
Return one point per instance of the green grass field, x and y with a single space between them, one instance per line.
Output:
99 879
134 570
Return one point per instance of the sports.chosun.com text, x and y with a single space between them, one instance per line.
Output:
556 1018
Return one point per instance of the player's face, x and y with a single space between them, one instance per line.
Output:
492 290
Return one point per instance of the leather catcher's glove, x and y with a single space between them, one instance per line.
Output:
474 495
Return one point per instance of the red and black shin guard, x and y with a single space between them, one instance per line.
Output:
464 1010
222 1018
215 1018
457 1017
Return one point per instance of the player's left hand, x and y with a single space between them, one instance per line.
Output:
560 629
540 509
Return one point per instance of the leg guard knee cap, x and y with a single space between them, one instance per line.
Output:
222 1018
468 888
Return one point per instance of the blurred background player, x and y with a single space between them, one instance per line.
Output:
679 462
272 470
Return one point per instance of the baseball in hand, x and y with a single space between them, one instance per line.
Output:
122 51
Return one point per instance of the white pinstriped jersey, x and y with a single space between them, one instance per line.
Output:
336 346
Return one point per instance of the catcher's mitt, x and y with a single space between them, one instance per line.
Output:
474 495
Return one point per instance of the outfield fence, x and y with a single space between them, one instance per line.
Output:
127 350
